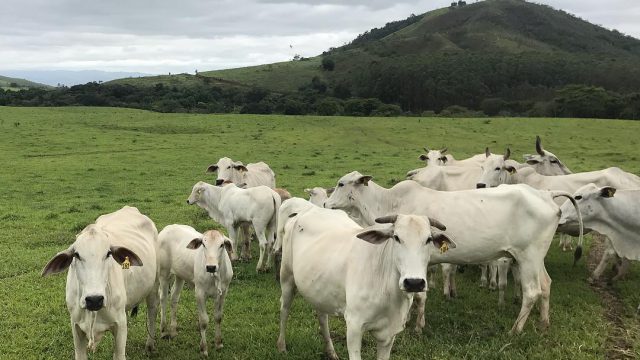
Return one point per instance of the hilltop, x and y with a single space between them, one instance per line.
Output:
9 83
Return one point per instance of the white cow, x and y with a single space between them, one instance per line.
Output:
235 171
610 212
545 162
318 195
202 260
232 207
515 221
367 275
438 157
112 268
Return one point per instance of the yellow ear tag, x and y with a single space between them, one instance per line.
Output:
126 264
444 248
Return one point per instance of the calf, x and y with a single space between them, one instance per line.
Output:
367 275
112 268
202 260
318 195
233 207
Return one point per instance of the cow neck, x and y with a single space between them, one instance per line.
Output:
381 258
616 217
212 200
375 202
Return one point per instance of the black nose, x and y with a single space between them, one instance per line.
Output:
219 182
94 303
481 186
211 268
188 202
414 285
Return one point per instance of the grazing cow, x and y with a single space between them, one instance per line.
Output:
318 195
252 174
610 212
233 207
202 260
112 268
367 275
514 221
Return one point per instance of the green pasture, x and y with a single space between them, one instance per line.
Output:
63 167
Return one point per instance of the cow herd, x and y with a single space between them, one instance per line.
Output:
358 250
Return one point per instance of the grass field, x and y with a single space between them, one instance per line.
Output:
63 167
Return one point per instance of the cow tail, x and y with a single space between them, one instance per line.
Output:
273 224
578 253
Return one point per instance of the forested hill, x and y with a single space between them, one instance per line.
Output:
494 57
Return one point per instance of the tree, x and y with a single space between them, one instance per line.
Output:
328 64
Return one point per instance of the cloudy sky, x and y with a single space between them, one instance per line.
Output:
160 36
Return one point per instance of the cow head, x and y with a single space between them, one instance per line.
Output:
228 171
496 170
198 193
592 201
411 239
318 195
348 190
92 257
214 246
434 157
545 162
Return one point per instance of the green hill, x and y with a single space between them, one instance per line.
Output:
7 83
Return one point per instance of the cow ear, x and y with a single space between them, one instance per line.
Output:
442 241
376 236
59 263
607 192
194 244
510 169
242 185
423 157
330 191
120 254
532 161
437 224
444 159
227 245
240 166
507 154
308 191
212 168
444 150
487 153
364 180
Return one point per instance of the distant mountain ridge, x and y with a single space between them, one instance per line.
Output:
70 77
17 83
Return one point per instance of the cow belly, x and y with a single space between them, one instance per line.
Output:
322 287
139 282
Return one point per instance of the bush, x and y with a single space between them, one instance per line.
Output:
328 64
294 107
387 110
328 107
493 106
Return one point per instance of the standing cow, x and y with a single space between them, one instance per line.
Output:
112 268
200 259
367 275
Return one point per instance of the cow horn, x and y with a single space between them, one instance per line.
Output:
487 152
444 150
437 224
389 219
507 154
426 149
539 146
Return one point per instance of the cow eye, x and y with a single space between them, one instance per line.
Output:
554 161
396 238
109 253
340 184
77 256
497 169
579 197
229 167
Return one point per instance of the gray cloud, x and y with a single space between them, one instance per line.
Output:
162 36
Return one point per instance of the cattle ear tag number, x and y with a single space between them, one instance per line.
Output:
126 264
444 247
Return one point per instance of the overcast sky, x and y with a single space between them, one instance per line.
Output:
160 36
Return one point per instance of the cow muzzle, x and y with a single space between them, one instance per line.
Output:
219 182
481 186
94 302
414 285
212 269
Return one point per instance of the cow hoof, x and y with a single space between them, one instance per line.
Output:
219 346
282 346
204 354
333 356
543 325
150 346
592 280
417 330
165 336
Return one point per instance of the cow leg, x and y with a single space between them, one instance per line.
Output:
217 317
80 342
233 236
245 244
354 338
623 269
203 319
323 319
545 286
483 275
608 255
178 284
152 312
271 240
493 275
453 290
163 278
384 348
120 337
421 302
515 271
448 278
431 271
530 277
503 273
262 242
565 242
287 286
